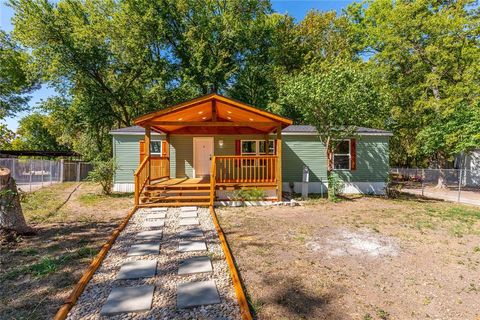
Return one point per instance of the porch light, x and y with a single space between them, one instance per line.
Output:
230 112
200 112
251 119
180 119
220 143
204 118
229 118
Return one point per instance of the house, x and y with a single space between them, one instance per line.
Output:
201 150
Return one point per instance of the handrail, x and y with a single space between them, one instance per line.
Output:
139 175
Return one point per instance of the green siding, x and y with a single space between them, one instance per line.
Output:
126 150
299 151
127 156
372 160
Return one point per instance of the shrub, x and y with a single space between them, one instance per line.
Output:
102 173
335 186
251 194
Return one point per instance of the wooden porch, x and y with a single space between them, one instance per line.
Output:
205 117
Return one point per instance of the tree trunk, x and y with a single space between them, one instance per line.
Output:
442 163
11 215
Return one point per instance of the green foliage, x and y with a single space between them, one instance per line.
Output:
15 82
36 132
251 194
6 137
429 53
103 172
335 186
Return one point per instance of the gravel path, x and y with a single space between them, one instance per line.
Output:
166 280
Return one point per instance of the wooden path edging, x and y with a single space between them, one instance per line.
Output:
96 262
241 297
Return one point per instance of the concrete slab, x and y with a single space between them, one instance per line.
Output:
191 245
138 269
195 265
183 209
192 294
150 235
128 299
141 249
191 233
155 215
189 214
157 223
189 222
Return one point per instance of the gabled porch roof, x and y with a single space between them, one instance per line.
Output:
213 114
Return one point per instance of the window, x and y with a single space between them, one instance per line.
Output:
156 147
341 156
257 147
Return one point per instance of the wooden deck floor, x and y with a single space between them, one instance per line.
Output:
182 182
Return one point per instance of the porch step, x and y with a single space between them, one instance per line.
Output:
173 198
194 186
172 191
175 204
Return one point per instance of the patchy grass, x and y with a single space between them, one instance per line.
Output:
327 260
37 273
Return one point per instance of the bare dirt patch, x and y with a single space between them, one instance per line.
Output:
363 258
37 273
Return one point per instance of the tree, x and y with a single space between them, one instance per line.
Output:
34 133
6 137
11 215
335 100
429 51
15 82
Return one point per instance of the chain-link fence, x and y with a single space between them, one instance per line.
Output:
459 185
32 174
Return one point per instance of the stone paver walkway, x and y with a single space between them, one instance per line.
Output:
168 264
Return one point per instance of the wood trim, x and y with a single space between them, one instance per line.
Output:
177 107
143 119
62 313
213 124
237 284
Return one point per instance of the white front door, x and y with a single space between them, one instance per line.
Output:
202 155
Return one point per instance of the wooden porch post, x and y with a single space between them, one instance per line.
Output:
147 149
167 138
279 163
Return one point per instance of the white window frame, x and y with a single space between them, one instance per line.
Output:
257 148
343 154
156 153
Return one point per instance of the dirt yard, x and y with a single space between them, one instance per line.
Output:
363 258
37 273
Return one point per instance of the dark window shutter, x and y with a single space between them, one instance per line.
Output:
142 150
164 148
330 159
237 147
353 154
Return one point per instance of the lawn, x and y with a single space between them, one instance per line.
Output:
363 258
73 221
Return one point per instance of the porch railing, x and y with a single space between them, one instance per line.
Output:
245 169
160 168
242 170
141 177
151 168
